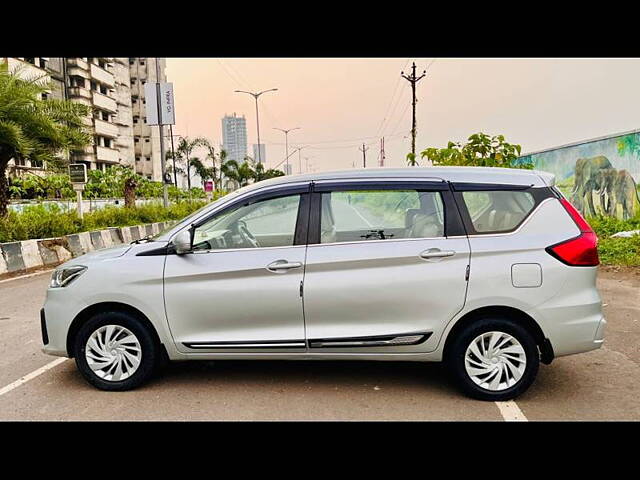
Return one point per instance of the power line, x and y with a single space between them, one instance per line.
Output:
388 112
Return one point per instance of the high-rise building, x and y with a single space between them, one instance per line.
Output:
262 157
234 137
114 90
146 138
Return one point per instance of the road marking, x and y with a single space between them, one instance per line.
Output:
27 276
31 376
511 412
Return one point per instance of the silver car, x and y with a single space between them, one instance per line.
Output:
489 270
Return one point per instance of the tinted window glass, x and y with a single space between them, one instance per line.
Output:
498 210
359 215
267 223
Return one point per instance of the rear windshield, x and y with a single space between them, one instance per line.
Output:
498 211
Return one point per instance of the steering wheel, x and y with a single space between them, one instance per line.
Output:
247 236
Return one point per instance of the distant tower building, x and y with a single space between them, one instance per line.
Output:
263 153
234 137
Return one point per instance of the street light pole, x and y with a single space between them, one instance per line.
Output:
255 95
286 143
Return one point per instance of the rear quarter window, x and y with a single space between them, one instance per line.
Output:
498 211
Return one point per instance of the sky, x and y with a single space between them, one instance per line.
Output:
341 103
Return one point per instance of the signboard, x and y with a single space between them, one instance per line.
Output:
208 186
167 105
78 173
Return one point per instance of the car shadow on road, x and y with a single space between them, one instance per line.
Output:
324 373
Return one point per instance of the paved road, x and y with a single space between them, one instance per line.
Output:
600 385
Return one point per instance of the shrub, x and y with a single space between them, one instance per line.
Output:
45 221
617 251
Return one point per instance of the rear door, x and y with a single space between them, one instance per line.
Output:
386 266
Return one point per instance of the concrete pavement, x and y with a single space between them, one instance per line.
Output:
600 385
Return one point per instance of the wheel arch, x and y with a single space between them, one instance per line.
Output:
102 307
524 319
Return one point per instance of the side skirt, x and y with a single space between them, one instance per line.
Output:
371 341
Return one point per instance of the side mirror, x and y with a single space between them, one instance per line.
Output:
182 242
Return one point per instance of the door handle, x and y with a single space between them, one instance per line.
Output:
437 253
280 265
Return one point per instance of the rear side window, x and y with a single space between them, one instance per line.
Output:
359 215
498 211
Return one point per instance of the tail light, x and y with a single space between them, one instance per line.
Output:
580 251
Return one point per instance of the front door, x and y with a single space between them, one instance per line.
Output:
239 290
384 274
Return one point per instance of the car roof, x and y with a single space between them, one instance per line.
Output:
491 175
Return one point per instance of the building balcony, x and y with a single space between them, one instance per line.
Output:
105 129
85 155
78 62
102 76
80 92
105 154
78 72
104 102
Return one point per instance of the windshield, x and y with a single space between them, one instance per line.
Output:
188 219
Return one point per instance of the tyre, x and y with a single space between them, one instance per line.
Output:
493 359
114 351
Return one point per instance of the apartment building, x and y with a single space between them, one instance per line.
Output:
114 90
234 137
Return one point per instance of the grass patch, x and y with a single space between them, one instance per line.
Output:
617 251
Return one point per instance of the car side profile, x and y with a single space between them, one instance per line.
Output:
489 270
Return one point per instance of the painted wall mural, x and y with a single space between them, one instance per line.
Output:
599 177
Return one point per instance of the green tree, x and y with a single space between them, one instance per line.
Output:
184 152
205 173
33 128
240 173
481 150
259 173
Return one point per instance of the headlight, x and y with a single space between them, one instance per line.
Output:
64 276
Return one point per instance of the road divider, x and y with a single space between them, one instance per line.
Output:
29 255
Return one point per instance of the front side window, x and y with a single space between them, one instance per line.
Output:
266 223
360 215
497 210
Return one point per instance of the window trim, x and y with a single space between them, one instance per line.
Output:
539 194
302 220
453 225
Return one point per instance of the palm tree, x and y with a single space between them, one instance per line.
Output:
239 173
185 150
33 128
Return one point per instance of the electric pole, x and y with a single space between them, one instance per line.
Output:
413 80
364 155
382 152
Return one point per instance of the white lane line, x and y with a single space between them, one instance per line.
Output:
31 376
511 412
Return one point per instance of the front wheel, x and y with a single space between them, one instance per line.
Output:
115 351
493 359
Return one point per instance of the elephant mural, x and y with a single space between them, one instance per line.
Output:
587 180
607 181
625 193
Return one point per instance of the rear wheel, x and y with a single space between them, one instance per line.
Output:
494 359
115 351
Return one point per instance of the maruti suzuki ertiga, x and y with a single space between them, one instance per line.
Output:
489 270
